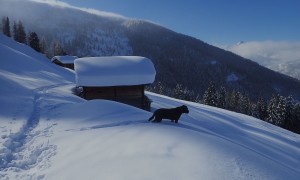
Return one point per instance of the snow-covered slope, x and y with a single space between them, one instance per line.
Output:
49 133
87 32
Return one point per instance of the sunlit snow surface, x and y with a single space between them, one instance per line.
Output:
46 132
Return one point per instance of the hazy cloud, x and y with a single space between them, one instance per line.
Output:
263 51
53 2
89 10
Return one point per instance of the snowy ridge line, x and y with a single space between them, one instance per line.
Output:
19 151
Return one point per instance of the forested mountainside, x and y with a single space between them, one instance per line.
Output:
179 59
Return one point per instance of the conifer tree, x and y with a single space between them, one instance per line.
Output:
15 33
272 109
289 112
210 95
280 112
295 123
6 26
43 46
245 105
159 88
233 101
261 109
178 92
222 98
34 41
20 33
57 49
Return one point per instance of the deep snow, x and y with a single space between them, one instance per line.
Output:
114 71
49 133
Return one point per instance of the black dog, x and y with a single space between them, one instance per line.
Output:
172 114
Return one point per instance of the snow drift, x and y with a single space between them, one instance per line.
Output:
49 133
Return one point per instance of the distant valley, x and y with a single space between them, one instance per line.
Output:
283 57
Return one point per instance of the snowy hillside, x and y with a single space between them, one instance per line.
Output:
49 133
180 60
86 32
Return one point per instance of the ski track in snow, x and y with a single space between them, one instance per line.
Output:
110 125
20 153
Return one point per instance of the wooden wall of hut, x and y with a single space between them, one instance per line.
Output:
70 66
131 95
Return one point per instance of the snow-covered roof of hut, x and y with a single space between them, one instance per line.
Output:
65 59
114 71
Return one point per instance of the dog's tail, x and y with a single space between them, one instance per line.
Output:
152 117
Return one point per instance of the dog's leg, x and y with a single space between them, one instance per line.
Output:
152 117
157 119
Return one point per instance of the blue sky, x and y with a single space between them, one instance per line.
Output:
213 21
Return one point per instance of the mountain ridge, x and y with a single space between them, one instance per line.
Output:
178 58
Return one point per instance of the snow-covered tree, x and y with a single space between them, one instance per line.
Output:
245 105
157 88
295 126
289 112
272 109
260 110
178 92
210 95
160 88
233 99
280 112
57 49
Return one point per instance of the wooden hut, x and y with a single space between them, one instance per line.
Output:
64 61
117 78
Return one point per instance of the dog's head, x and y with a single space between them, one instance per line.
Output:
184 109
